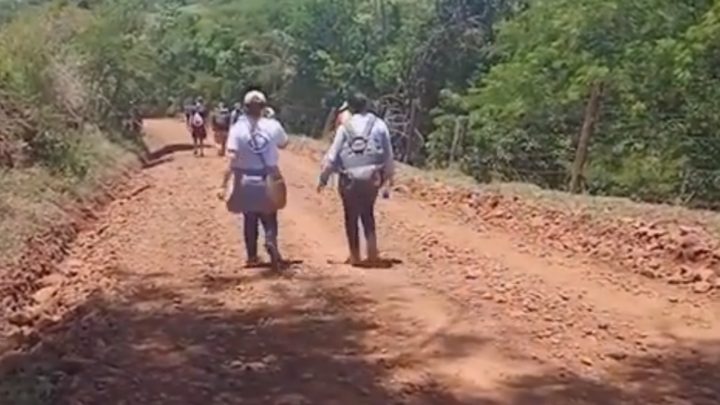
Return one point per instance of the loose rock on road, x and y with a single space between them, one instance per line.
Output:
467 315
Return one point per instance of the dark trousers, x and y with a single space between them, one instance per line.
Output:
251 231
358 200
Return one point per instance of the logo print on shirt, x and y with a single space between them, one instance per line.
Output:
259 142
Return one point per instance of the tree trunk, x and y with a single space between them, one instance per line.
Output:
592 111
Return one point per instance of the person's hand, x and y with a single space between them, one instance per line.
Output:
221 194
322 182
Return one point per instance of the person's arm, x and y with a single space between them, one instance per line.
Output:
332 155
227 175
213 117
231 148
389 158
281 137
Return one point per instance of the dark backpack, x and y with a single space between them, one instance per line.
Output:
235 115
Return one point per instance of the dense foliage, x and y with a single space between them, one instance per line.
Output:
655 63
500 87
67 81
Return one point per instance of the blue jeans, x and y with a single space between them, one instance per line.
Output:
251 231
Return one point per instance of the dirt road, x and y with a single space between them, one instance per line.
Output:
469 315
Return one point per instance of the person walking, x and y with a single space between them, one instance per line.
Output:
362 156
258 191
342 115
269 112
221 122
196 121
237 112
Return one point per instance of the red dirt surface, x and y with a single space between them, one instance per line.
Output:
676 252
154 307
30 279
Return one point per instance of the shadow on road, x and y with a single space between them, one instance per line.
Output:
679 376
285 265
172 353
157 349
382 263
164 154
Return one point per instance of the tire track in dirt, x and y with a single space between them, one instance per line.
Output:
468 317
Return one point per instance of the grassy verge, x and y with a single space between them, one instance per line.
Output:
32 201
32 198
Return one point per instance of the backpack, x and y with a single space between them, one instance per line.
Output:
235 115
197 119
362 156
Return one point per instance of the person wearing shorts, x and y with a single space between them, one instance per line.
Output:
196 119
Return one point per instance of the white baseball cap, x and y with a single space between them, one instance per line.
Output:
254 96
